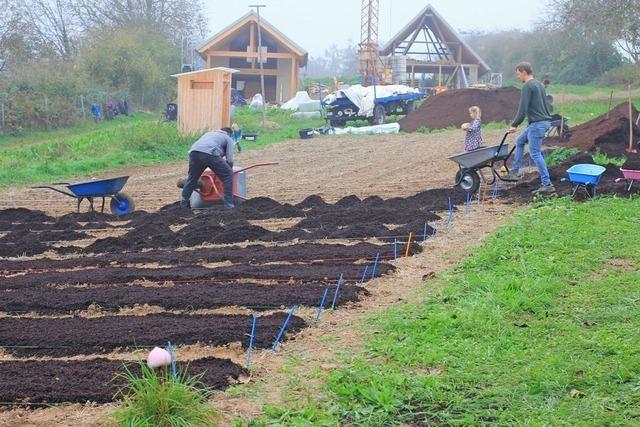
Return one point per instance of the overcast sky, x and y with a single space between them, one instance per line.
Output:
317 24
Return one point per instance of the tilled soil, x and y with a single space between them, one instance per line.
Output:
82 336
57 381
252 254
178 297
116 275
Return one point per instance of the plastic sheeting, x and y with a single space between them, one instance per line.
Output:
369 130
257 102
301 97
364 97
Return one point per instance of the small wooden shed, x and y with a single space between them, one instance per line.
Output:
204 99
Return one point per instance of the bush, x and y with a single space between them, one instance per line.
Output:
559 155
628 74
603 160
155 398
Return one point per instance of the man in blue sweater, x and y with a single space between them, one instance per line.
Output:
214 150
533 107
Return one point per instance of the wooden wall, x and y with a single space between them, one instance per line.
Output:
204 101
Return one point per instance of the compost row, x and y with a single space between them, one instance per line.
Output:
78 335
121 275
79 381
178 297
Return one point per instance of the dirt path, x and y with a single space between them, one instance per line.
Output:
332 167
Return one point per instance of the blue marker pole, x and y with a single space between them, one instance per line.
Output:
395 249
284 328
251 338
424 233
364 274
335 296
321 306
174 371
375 266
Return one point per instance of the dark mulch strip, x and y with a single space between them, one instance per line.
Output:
180 297
77 335
79 381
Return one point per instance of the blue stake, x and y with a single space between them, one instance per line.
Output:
435 230
335 296
364 273
395 249
375 265
424 233
494 193
251 338
321 306
467 203
284 327
173 361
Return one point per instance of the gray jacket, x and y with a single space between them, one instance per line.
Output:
216 143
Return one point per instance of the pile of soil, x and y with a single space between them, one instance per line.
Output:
81 381
451 108
68 336
609 135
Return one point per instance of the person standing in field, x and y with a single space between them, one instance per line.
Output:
473 130
533 107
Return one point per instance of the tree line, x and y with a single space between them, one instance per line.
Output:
57 54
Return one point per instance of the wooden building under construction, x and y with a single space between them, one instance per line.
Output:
429 45
236 47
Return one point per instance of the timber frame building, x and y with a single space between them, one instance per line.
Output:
429 45
236 47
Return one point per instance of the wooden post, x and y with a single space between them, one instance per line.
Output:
561 115
260 62
2 114
252 42
631 149
294 78
84 112
610 101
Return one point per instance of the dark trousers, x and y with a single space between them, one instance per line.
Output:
198 162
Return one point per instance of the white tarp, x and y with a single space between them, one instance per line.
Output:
363 97
256 102
368 130
301 97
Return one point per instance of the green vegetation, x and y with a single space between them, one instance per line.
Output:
156 399
43 157
538 327
600 158
561 154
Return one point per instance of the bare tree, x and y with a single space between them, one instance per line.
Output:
53 24
615 20
171 17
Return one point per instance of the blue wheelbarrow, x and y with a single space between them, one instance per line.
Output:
586 176
121 203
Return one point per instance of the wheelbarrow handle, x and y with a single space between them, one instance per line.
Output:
255 166
504 139
66 193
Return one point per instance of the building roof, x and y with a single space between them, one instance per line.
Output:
228 70
265 25
450 34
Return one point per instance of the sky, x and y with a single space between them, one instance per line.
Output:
317 24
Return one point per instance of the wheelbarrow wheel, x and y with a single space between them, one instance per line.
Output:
122 204
469 181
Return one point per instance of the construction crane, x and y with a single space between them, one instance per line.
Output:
371 65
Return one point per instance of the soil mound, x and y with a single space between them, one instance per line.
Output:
451 108
609 134
23 215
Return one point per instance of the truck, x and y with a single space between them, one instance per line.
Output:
348 105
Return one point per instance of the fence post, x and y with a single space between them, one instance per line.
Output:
84 112
2 115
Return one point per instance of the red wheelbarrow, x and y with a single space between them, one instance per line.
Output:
630 176
210 188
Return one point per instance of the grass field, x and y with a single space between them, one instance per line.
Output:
538 327
138 140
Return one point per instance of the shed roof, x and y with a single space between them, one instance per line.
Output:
228 70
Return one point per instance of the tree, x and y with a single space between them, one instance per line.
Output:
134 60
614 21
336 61
53 24
173 18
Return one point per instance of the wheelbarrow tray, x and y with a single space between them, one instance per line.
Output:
481 156
630 174
100 188
585 173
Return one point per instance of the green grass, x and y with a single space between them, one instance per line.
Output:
600 158
53 156
155 399
88 127
540 326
